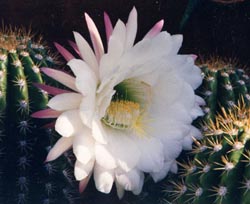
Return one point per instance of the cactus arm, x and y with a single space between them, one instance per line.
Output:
3 80
34 76
210 93
19 91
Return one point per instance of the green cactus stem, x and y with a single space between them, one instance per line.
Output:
219 170
24 177
223 86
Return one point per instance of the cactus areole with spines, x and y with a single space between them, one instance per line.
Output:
223 85
25 178
218 169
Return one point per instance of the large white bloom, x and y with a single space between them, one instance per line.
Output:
130 109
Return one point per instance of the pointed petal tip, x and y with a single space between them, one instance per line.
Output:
86 15
105 13
134 9
194 56
45 69
83 184
161 22
46 160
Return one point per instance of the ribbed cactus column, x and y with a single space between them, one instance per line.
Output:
223 87
218 168
219 171
25 178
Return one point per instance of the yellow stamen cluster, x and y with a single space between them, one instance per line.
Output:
122 114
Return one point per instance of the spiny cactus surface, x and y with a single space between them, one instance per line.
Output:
223 85
218 168
24 176
219 172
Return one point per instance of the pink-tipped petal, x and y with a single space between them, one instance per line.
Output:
64 52
131 27
50 89
74 46
49 125
83 183
194 56
61 77
47 113
62 145
95 37
108 26
87 53
155 29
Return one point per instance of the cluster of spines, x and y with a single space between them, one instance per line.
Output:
25 178
219 171
222 87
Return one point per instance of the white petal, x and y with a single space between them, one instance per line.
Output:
81 171
177 41
171 135
167 90
103 101
95 37
86 52
98 132
109 61
103 179
152 154
185 68
66 101
174 167
86 80
62 145
104 157
200 101
131 181
196 112
150 78
144 52
87 109
131 28
83 146
119 189
189 138
123 149
68 123
157 176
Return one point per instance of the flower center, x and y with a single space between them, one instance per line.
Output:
122 114
128 107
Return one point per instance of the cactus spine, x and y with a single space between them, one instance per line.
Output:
222 87
218 169
25 178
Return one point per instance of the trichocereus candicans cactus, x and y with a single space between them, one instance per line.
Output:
25 177
217 170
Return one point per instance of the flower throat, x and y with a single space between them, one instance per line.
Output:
126 107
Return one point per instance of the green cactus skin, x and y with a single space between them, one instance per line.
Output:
223 87
24 176
218 169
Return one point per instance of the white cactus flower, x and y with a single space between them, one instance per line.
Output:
130 109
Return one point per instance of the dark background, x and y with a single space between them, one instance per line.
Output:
212 28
